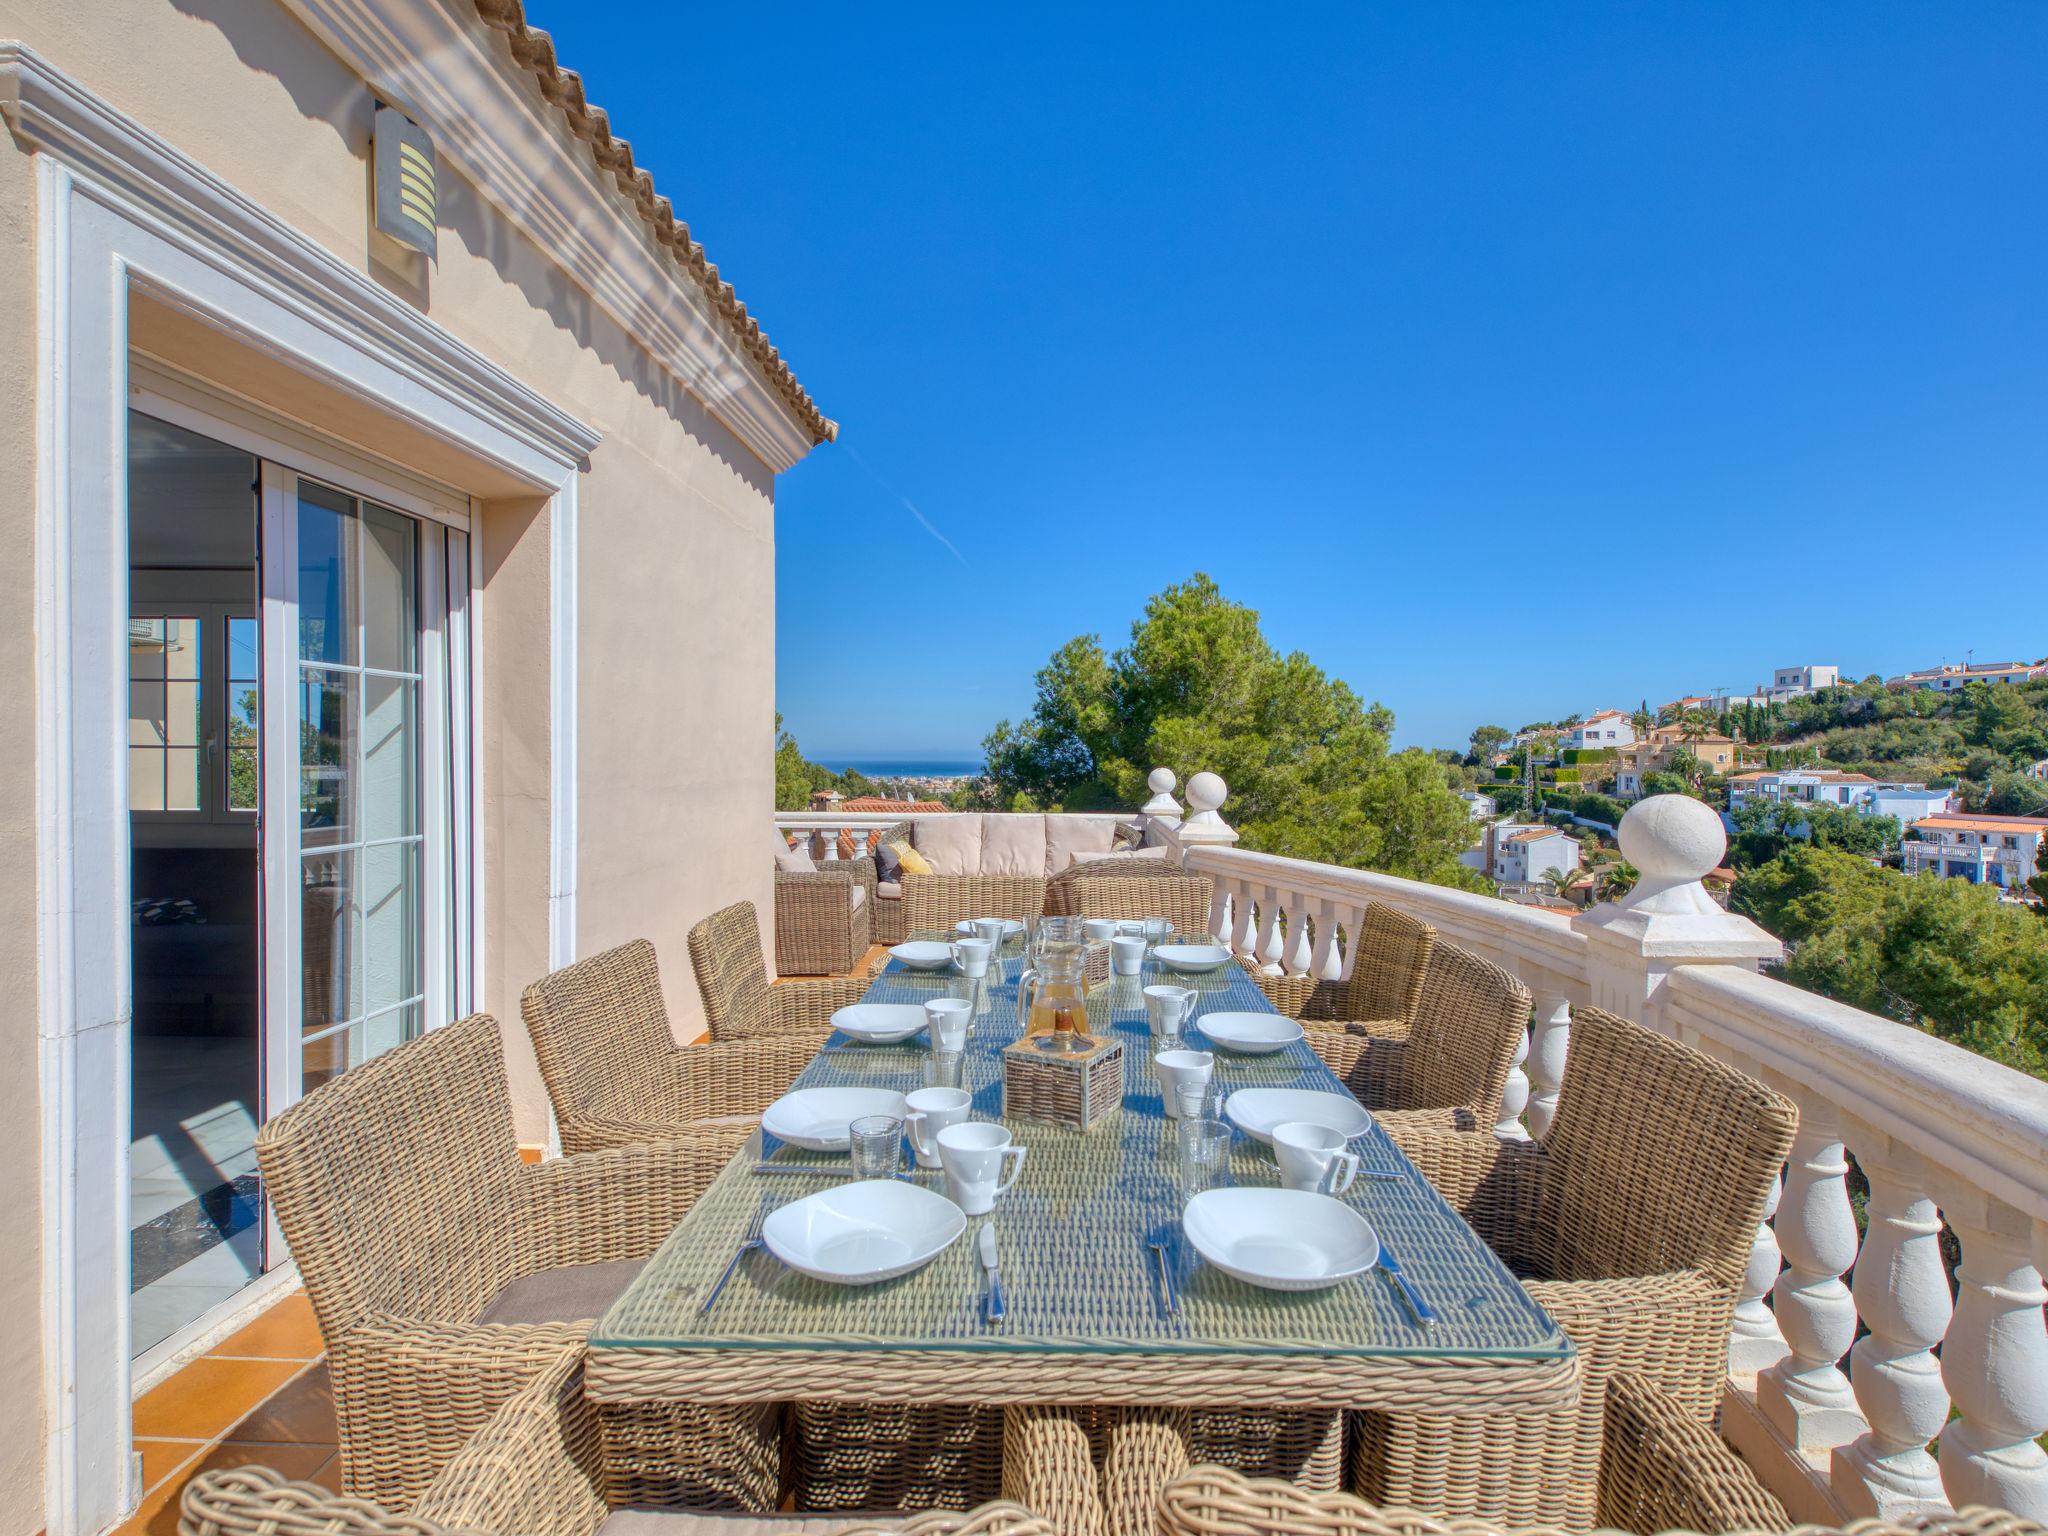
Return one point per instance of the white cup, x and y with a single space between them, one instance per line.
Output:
972 956
1127 954
991 929
1310 1154
947 1019
1182 1069
1100 930
929 1111
973 1153
1167 1009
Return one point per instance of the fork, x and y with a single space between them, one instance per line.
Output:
747 1244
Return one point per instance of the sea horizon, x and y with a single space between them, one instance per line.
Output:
882 766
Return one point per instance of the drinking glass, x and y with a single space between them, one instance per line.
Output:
1198 1101
875 1143
1204 1155
944 1069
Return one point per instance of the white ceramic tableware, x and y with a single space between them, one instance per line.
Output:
1192 959
1167 1009
1178 1070
1250 1034
1151 929
817 1118
1313 1157
1282 1239
1255 1111
929 1111
972 956
973 1153
1127 954
924 954
879 1023
971 927
948 1018
1100 930
995 930
861 1233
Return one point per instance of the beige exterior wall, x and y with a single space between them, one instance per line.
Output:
676 589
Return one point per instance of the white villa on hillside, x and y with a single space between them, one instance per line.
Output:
1797 682
1518 853
1910 803
1824 786
1948 679
1990 850
1608 728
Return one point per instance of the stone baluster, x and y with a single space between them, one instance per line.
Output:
828 837
1245 943
1806 1395
1755 1344
1272 943
1300 948
1994 1361
1550 1038
1514 1095
1326 959
1222 921
1902 1296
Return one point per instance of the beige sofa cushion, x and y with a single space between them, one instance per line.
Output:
565 1295
951 844
1013 845
1070 838
793 861
888 890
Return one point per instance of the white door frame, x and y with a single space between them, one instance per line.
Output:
119 207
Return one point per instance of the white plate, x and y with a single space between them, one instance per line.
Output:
879 1023
1192 959
1255 1111
1249 1034
1011 928
860 1233
817 1118
1282 1239
924 954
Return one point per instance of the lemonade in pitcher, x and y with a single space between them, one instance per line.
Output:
1052 996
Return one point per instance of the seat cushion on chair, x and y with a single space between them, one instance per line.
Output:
793 861
719 1522
565 1295
1069 838
950 844
1013 845
888 890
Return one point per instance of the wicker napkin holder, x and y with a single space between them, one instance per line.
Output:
1070 1088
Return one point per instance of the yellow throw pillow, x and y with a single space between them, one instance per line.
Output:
913 862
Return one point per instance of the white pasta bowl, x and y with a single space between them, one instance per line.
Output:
1255 1111
879 1023
1282 1239
924 954
859 1234
817 1118
1011 927
1192 959
1249 1034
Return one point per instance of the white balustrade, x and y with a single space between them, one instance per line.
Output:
1806 1395
1994 1361
1550 1038
1755 1343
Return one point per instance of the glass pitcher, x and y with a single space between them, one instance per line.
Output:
1052 994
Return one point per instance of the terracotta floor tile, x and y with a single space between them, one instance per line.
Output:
158 1513
329 1475
207 1396
160 1458
301 1414
286 1332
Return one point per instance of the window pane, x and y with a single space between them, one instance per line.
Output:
327 626
181 648
390 926
327 728
146 724
181 779
328 947
242 780
181 713
390 564
243 639
145 779
389 758
145 647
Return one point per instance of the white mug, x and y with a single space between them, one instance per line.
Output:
1310 1156
1127 954
1178 1069
991 929
973 1153
1101 930
1167 1009
972 956
929 1111
947 1019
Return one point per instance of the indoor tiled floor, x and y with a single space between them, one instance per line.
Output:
259 1396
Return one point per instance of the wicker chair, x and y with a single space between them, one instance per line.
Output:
1131 888
446 1273
1449 1068
536 1469
936 902
1630 1224
824 920
1389 957
725 949
616 1074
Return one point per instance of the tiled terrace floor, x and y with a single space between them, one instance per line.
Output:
260 1396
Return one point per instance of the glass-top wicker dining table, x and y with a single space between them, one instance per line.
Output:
1088 1319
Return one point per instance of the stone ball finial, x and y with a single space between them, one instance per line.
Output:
1672 838
1206 791
1160 781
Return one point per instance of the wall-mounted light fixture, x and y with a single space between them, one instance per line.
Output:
402 158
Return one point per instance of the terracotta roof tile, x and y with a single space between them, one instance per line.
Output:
875 803
1985 823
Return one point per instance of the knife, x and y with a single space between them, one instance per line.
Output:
1424 1313
993 1308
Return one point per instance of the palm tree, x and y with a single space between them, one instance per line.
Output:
1561 880
1612 878
1643 720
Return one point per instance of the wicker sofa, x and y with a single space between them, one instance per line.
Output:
824 913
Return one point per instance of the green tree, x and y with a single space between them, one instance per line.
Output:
1199 687
1489 739
1644 720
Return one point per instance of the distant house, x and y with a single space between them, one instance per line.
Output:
2038 770
1949 679
1482 807
1715 703
1910 803
1654 752
1518 852
1797 682
1816 786
1608 728
2004 851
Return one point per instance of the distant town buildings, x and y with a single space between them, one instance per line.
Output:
2004 851
1607 728
1948 679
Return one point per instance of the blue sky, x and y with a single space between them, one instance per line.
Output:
1509 359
